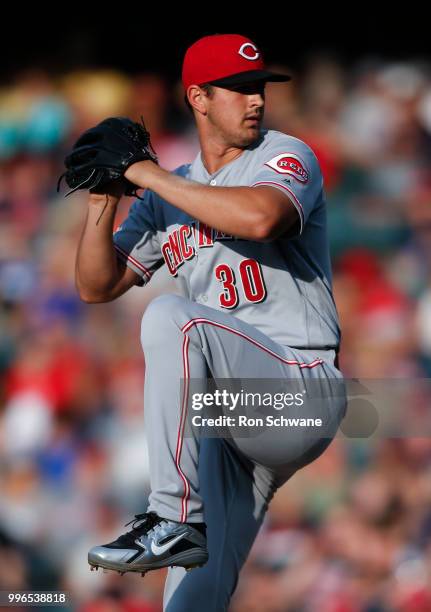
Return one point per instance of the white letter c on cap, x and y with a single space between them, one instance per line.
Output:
249 57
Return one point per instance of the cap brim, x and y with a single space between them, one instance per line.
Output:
249 76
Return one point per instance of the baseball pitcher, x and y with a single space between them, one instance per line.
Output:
242 230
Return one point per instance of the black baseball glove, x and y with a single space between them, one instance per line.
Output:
103 153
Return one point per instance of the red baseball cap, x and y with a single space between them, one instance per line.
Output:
225 60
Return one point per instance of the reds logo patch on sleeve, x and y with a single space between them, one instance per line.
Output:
289 163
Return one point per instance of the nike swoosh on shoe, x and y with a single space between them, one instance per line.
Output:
160 550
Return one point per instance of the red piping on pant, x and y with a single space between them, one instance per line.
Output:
292 362
180 436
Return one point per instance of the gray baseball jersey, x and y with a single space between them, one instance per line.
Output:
282 287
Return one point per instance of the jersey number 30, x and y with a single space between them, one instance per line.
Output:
252 283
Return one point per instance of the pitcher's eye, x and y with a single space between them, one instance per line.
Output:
250 88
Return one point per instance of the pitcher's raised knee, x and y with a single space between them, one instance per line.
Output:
163 316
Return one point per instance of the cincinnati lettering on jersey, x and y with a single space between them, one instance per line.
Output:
181 243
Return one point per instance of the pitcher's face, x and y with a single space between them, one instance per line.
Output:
237 112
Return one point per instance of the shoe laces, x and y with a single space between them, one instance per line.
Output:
141 524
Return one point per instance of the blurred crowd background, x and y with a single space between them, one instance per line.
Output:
352 531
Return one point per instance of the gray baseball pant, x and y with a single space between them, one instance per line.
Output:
225 482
